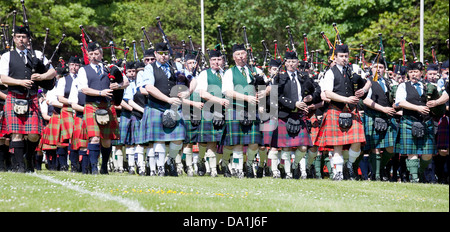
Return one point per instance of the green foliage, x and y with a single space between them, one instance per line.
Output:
357 21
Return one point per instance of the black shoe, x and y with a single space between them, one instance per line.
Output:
172 167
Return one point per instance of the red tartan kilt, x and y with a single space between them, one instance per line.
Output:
52 130
77 141
442 137
314 129
3 131
66 124
30 123
330 134
90 128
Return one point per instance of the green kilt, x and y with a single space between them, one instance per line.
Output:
375 139
408 144
207 132
236 134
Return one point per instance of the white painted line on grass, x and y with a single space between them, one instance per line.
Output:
130 204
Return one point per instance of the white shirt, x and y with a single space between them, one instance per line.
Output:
62 85
400 95
227 80
4 61
73 95
51 96
327 82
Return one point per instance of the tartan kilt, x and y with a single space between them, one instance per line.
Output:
315 127
51 133
154 131
30 123
442 136
268 129
125 128
284 139
330 134
135 129
77 141
375 139
410 145
92 129
66 123
3 131
236 134
191 130
207 132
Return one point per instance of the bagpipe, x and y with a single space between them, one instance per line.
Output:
37 64
113 70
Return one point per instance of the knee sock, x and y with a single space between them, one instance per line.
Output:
238 160
139 152
413 167
364 165
262 157
338 162
130 151
3 157
226 157
251 154
424 165
311 157
94 153
62 156
18 150
318 165
286 157
375 163
151 158
298 157
188 152
84 161
106 153
119 157
273 156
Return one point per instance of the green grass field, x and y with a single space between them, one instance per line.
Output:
47 191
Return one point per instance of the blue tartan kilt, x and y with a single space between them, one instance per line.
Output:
191 131
207 132
375 139
236 134
153 130
408 144
125 128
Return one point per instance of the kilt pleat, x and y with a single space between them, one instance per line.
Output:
52 131
236 134
125 128
330 134
285 139
66 124
442 135
268 129
30 123
153 128
207 132
3 128
92 129
375 139
77 141
408 144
